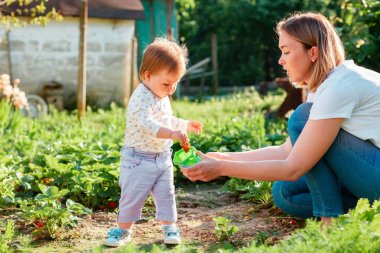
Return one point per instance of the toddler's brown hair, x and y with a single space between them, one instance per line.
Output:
164 53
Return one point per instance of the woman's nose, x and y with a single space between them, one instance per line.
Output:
281 61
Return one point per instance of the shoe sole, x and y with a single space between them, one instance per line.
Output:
112 245
115 245
172 242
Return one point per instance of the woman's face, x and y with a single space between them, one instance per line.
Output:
295 59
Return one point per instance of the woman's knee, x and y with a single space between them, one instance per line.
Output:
297 120
300 115
283 197
276 192
278 195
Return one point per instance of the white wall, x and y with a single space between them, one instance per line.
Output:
40 55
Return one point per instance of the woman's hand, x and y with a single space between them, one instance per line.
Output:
207 169
195 127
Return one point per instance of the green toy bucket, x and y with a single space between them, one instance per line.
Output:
184 160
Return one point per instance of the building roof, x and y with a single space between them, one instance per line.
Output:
109 9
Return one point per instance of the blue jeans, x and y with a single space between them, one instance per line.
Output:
349 170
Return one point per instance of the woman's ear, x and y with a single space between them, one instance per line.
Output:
313 53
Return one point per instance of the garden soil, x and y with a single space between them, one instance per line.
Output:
197 206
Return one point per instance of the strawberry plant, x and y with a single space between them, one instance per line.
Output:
84 158
48 215
356 231
256 191
223 231
8 236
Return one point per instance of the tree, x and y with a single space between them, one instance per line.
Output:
11 10
247 50
358 24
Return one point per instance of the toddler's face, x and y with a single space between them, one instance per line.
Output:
162 83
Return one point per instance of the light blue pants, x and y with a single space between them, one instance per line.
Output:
348 171
140 174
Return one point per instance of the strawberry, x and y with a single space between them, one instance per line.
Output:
48 180
38 224
186 147
112 204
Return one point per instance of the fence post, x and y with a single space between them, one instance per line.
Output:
81 89
202 81
214 57
151 14
134 72
169 29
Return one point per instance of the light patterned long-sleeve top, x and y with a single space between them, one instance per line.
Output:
146 114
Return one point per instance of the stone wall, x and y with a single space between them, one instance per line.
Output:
40 55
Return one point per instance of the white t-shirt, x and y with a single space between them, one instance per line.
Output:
353 93
146 114
310 97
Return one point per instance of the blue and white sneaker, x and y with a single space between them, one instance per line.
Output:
117 237
171 234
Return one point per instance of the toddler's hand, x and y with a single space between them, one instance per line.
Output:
180 136
195 127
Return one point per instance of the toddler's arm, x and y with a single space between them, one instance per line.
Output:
186 125
175 135
180 124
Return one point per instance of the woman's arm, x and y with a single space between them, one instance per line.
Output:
315 139
267 153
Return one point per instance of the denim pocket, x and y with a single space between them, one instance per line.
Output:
129 161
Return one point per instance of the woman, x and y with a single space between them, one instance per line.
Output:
332 155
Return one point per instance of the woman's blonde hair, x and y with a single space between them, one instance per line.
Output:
313 29
164 53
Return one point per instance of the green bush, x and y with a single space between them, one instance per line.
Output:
357 231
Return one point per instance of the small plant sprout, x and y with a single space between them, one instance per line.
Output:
223 230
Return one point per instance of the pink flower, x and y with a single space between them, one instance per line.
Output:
16 82
12 93
16 91
20 100
8 91
5 79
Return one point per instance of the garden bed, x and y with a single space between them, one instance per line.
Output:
197 206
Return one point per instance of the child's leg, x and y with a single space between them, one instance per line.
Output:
137 177
164 197
135 189
167 222
125 225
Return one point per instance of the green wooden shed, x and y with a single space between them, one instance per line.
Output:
160 19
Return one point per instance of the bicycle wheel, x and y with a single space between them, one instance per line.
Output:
36 106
